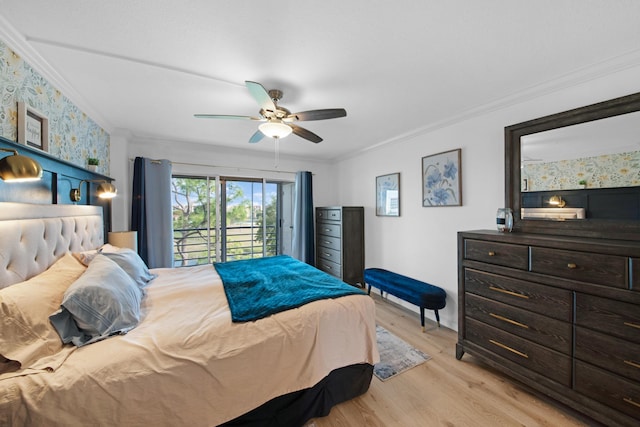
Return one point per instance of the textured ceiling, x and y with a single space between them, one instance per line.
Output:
399 68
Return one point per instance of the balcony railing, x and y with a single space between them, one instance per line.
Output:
199 245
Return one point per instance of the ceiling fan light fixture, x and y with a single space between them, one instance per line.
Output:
275 129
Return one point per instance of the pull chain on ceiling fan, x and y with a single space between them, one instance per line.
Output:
278 121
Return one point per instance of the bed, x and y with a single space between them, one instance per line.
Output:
186 362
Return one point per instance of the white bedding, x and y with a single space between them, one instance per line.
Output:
187 364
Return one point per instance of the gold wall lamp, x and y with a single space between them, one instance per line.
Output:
105 190
557 201
19 168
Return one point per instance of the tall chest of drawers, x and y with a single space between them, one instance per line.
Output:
560 314
340 242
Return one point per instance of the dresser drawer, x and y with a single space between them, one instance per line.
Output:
329 254
612 317
329 214
635 274
540 329
609 270
328 242
330 267
608 388
535 357
328 229
553 302
613 354
505 254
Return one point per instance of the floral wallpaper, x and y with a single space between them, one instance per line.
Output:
606 171
73 136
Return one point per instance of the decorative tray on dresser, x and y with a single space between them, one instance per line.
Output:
560 314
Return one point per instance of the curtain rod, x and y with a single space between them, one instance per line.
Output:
157 161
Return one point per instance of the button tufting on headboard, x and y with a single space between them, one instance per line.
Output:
32 237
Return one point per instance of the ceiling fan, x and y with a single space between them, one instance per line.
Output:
278 121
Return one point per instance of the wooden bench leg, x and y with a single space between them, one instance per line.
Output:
437 317
422 318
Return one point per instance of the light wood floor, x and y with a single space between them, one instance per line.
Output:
443 391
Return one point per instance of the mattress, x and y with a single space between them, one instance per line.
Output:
186 363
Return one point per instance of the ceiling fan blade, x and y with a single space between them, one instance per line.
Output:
256 137
306 134
223 116
329 113
261 95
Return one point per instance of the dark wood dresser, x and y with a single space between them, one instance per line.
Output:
560 314
340 242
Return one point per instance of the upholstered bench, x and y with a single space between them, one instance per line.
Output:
411 290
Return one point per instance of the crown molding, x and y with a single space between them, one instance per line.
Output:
18 43
580 76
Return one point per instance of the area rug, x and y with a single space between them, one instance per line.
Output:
396 356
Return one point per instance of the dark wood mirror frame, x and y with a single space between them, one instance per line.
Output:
605 229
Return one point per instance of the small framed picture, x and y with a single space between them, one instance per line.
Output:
388 195
33 127
441 179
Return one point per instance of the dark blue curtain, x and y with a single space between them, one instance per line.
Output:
303 236
151 214
138 208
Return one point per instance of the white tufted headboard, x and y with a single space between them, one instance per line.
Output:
33 237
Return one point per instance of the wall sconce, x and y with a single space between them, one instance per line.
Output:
19 168
557 201
105 190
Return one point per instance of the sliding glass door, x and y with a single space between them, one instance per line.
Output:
246 221
195 235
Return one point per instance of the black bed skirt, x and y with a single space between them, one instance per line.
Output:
295 409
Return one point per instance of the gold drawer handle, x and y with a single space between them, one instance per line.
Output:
631 402
492 253
572 265
633 325
327 254
506 319
504 291
512 350
327 229
632 363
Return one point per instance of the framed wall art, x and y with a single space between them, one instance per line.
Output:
441 179
388 195
33 127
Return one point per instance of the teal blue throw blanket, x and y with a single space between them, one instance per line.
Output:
260 287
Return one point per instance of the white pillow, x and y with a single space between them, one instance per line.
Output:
86 257
27 335
104 301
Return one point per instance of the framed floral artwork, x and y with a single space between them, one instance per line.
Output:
388 195
441 179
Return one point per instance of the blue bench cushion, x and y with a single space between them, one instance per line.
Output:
406 288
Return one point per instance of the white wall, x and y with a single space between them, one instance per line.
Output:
121 205
186 157
422 242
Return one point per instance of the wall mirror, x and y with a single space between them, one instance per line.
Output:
585 160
